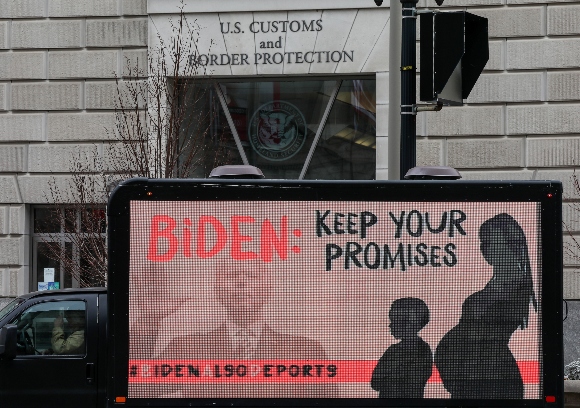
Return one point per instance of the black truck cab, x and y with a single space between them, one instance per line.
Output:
61 334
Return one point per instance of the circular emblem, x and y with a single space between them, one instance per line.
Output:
277 130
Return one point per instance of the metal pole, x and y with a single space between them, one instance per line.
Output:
408 86
394 143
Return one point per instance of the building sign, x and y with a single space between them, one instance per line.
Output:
293 42
272 51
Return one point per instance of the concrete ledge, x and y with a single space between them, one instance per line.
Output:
572 393
572 386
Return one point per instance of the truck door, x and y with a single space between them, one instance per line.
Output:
57 355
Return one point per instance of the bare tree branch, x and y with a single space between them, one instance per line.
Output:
162 130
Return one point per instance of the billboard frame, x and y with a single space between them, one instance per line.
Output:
547 193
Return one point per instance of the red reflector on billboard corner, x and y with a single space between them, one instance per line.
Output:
550 398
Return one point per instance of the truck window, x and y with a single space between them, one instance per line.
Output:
52 328
10 307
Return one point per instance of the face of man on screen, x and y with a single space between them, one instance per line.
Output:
243 289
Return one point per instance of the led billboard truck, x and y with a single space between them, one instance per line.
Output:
339 294
305 293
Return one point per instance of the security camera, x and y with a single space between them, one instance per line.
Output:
439 2
378 2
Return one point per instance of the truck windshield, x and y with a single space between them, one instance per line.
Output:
10 307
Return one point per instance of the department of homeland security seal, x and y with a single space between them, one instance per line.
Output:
277 130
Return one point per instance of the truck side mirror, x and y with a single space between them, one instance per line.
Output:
8 341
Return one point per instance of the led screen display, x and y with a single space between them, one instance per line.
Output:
335 299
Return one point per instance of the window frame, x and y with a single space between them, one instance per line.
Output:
54 355
338 79
48 238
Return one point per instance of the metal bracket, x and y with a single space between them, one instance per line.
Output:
408 110
428 108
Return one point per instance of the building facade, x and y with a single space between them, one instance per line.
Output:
329 63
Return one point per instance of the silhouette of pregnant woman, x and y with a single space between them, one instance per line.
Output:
473 358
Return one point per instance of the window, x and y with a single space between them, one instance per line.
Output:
300 129
69 247
52 328
10 307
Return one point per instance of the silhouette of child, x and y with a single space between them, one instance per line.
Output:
405 367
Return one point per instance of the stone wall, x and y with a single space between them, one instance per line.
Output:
58 63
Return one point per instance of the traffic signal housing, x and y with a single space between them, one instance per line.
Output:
454 49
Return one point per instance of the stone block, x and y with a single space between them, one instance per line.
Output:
117 33
382 174
12 159
459 3
10 251
78 127
47 96
9 190
571 251
571 291
109 95
47 34
565 176
563 20
134 7
495 62
538 1
17 220
382 85
543 53
82 8
119 158
13 282
20 128
135 63
543 119
4 35
512 22
13 286
429 152
552 152
22 65
575 194
22 8
571 217
4 220
563 85
497 175
238 43
501 87
3 88
20 278
62 158
42 189
464 121
83 64
3 300
382 120
485 153
366 39
382 145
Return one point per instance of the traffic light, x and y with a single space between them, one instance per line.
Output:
454 50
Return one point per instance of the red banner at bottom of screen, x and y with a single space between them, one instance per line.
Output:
274 371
